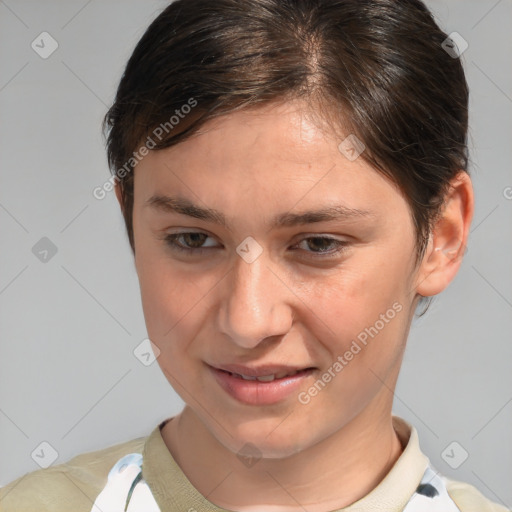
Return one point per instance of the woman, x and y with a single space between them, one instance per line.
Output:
292 174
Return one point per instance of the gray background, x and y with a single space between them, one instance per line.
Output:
68 375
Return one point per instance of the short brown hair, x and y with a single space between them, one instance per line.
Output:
376 66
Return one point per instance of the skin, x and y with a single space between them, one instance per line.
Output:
290 306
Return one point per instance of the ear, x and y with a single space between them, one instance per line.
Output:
119 194
448 238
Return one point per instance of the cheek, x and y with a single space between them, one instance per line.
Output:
170 298
365 311
355 297
367 327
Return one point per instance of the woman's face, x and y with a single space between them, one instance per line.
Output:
264 289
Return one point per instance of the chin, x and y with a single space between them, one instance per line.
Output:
268 442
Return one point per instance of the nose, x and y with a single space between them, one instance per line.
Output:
255 303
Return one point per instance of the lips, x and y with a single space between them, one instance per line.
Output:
262 385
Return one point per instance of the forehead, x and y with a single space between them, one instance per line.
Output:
269 159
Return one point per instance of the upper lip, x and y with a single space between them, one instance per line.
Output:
260 371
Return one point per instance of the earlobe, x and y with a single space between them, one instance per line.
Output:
448 238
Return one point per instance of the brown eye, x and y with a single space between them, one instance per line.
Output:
320 245
194 240
189 241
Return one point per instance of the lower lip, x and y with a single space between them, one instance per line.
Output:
254 392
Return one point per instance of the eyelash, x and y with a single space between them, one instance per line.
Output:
170 241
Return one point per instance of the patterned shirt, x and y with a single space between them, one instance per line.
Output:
142 476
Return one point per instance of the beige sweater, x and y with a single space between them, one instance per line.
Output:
74 485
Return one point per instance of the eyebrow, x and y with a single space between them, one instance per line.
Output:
183 206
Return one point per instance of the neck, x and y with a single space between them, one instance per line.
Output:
329 475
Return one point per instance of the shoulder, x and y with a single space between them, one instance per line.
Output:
469 499
73 485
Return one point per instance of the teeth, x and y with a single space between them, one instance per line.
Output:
266 378
284 374
246 377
